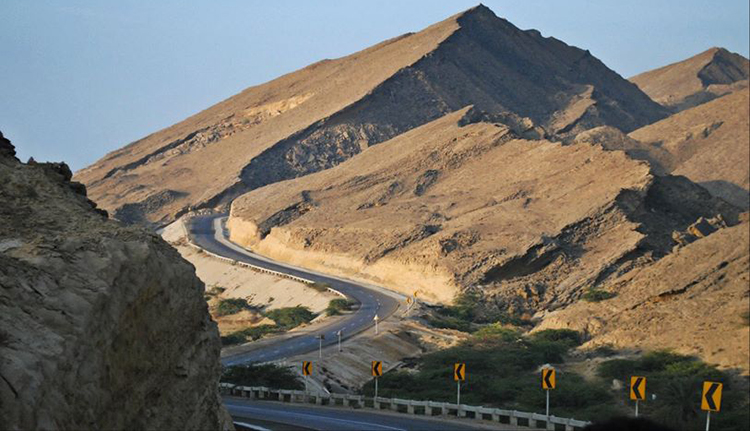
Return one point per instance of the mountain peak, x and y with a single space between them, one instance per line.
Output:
305 122
695 80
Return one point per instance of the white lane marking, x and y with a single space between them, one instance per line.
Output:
307 415
251 426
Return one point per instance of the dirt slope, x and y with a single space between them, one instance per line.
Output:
319 116
457 203
697 80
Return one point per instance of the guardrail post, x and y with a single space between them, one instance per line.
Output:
532 422
550 424
444 409
345 402
460 411
394 405
495 416
513 418
410 408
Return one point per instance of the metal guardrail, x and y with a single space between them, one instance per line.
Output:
425 408
254 267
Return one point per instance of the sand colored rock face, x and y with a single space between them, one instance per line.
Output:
324 114
445 206
101 326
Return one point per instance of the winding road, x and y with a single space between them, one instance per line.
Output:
207 232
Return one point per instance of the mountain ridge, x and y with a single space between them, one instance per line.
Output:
695 80
251 146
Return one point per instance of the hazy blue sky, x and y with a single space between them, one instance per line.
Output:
81 78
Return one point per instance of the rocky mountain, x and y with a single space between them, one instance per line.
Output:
324 114
709 143
694 301
697 80
101 326
462 202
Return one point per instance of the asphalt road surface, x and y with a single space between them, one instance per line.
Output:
206 232
277 416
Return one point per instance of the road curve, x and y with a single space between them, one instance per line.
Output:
202 231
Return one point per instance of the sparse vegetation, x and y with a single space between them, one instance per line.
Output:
597 295
269 375
249 334
337 306
290 317
320 287
502 370
469 312
229 306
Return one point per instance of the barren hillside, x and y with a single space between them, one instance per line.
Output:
317 117
697 80
694 300
462 202
710 144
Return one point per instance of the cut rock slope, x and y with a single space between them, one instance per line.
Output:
322 115
101 326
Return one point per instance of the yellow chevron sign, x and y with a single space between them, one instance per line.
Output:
459 372
377 368
711 399
548 378
306 368
637 388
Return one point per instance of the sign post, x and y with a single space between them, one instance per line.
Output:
637 390
459 375
711 400
320 338
377 371
548 383
306 371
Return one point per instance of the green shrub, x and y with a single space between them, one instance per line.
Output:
337 306
597 295
502 370
320 287
215 291
248 334
290 317
229 306
568 337
677 382
268 375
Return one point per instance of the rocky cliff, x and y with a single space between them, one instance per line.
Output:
101 326
320 116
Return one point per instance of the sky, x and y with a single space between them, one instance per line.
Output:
81 78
